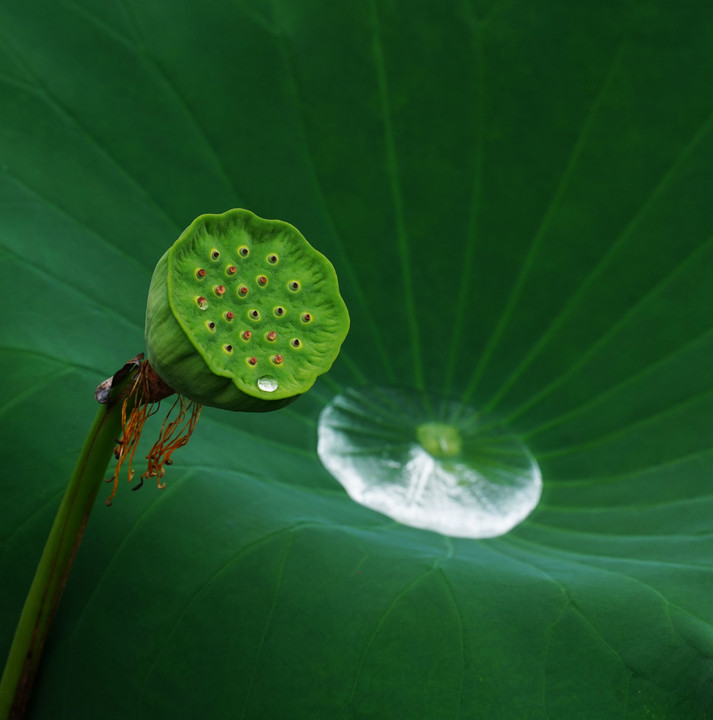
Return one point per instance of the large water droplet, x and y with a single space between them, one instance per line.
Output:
267 383
428 462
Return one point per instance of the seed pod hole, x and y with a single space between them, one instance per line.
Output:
243 251
254 315
252 361
219 290
279 311
262 280
214 254
293 285
271 336
306 317
200 273
228 348
246 335
231 270
201 302
242 291
211 326
296 342
277 359
229 315
272 259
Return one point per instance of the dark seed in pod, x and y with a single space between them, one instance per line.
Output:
279 311
243 251
294 286
228 348
215 255
211 326
254 314
306 317
296 343
272 259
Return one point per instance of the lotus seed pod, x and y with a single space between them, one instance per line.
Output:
243 313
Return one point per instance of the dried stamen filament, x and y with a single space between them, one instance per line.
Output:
172 435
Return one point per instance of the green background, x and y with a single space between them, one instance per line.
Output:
517 199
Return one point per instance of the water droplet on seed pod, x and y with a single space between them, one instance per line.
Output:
267 383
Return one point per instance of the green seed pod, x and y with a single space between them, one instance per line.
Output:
243 313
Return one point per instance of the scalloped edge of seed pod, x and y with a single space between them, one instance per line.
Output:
186 367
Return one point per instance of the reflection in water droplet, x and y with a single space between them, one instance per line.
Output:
267 383
427 462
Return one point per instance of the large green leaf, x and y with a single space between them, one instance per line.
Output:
516 196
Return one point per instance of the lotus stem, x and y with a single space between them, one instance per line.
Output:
61 547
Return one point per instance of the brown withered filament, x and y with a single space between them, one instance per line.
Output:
144 399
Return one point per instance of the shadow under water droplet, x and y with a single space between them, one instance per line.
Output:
428 462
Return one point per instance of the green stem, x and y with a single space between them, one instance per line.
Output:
57 557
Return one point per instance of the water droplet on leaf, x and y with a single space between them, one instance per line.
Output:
428 462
